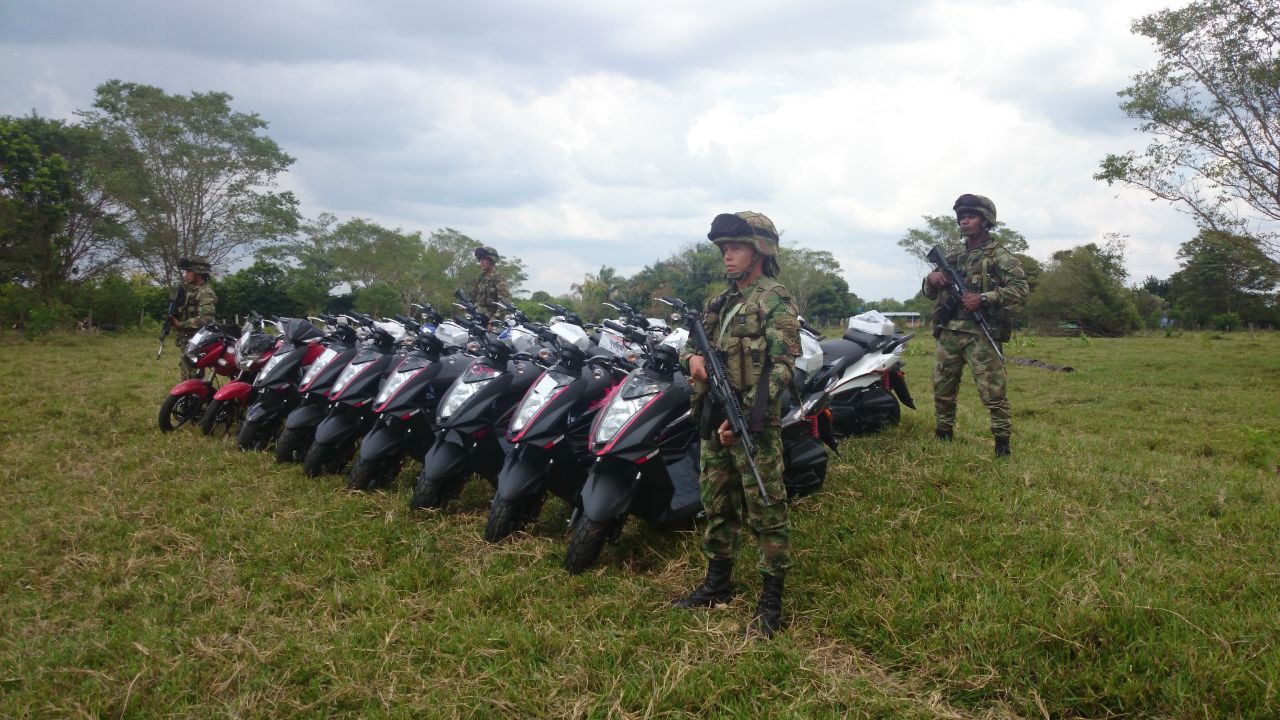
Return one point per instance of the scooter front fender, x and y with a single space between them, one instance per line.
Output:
194 386
267 408
609 491
336 428
308 415
381 442
235 390
448 456
522 476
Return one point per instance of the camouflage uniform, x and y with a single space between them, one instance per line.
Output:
487 288
197 310
765 325
994 272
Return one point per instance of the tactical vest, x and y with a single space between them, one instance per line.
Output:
740 335
980 277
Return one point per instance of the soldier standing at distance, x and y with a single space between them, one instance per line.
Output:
489 287
997 284
756 326
198 308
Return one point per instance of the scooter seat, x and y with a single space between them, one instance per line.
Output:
833 350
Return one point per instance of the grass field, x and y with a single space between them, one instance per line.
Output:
1122 564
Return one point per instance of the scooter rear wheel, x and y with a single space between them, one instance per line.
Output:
178 410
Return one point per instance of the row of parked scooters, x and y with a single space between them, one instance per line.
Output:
596 415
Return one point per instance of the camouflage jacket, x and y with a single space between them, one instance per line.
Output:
487 288
200 307
993 271
752 327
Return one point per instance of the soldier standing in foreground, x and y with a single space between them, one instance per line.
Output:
489 287
997 283
756 326
199 308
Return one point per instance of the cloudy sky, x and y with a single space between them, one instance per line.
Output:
576 134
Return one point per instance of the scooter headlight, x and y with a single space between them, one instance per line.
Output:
318 366
348 374
538 395
272 362
634 395
393 384
465 387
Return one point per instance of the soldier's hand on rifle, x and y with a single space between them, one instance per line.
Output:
971 301
698 368
173 321
936 279
727 437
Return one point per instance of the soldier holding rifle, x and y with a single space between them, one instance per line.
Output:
195 306
755 327
995 283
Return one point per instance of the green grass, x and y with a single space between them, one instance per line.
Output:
1123 564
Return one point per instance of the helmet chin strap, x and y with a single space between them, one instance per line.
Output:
755 258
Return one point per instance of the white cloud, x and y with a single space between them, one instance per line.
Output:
577 135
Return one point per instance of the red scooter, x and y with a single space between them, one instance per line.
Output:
214 350
226 407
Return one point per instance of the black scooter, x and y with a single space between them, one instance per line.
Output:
349 414
275 388
548 431
475 411
405 406
647 449
341 345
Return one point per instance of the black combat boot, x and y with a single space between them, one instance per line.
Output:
714 590
768 617
943 434
1002 447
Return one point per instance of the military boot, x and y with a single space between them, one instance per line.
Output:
1002 447
714 590
943 434
768 617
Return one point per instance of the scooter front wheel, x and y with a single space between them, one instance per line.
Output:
255 435
433 493
507 517
585 544
220 417
372 474
293 443
178 410
322 459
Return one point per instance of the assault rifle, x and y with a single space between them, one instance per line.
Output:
179 298
957 286
721 391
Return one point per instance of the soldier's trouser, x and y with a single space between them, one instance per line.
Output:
186 369
954 350
729 492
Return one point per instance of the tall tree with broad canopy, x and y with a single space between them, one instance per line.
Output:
1224 274
191 175
1213 110
56 224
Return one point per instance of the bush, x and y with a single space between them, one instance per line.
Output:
1226 322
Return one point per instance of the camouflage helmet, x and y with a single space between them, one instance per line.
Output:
196 264
486 252
746 226
979 204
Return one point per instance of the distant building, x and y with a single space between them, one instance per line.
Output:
908 319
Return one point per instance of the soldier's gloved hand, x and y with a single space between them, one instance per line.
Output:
698 368
971 301
936 279
727 437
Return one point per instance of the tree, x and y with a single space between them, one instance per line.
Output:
190 175
259 287
943 230
1085 286
1224 274
593 291
1211 104
55 224
808 273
